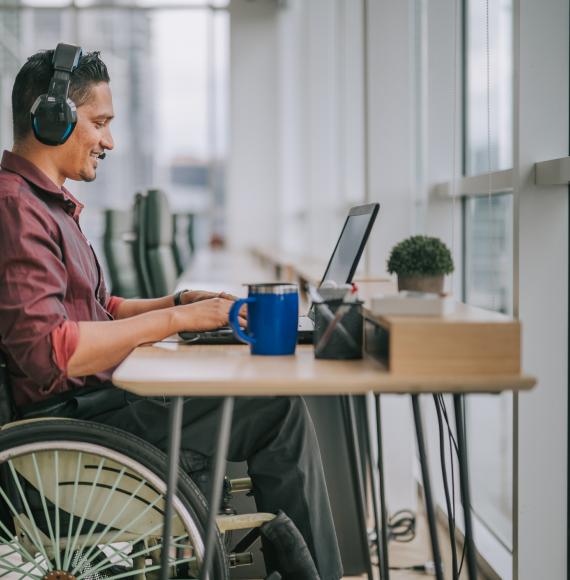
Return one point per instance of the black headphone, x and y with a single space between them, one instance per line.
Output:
53 115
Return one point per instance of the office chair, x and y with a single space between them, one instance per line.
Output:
118 241
181 243
159 239
139 246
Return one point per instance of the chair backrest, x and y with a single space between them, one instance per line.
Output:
181 244
118 240
159 239
139 246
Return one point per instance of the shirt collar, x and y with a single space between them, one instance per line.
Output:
32 174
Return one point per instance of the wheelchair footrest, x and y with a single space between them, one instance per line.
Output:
242 521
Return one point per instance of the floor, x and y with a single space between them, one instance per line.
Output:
418 552
404 554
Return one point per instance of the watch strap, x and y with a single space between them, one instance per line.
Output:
178 297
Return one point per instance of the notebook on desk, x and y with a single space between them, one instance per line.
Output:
340 269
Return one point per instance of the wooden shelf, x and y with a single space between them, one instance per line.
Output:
471 341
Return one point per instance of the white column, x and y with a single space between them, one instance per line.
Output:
252 192
391 175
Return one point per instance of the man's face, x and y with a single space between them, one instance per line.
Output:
91 136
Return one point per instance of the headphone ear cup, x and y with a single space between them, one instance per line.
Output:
53 120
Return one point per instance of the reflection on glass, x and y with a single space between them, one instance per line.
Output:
489 252
500 84
488 283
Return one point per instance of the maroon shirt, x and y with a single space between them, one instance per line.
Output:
49 278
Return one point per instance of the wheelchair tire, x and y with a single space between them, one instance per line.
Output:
87 499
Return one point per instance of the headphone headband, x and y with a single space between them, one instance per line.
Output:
66 57
53 114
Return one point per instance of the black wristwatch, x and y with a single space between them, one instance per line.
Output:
178 297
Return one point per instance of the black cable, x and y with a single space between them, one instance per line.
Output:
468 507
450 514
427 568
446 417
402 526
452 440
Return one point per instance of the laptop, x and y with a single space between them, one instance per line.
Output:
340 270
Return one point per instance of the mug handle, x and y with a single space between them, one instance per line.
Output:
234 311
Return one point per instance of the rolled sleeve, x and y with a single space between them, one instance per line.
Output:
34 282
113 303
64 341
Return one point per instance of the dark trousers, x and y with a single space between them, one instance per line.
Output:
275 435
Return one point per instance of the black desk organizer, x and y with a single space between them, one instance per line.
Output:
339 338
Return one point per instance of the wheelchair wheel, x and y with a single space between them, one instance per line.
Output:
85 501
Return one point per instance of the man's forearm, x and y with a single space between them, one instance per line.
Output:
135 306
105 344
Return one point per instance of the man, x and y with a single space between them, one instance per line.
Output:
62 333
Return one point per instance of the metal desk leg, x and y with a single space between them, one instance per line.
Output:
217 483
464 483
375 493
171 482
427 488
356 471
385 566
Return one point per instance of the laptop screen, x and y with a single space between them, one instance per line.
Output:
350 245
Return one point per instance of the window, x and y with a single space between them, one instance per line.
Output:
168 73
495 104
488 249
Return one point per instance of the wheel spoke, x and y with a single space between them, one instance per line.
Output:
147 569
87 539
67 554
57 522
27 559
54 540
39 545
102 566
98 567
11 567
121 511
128 573
22 551
87 506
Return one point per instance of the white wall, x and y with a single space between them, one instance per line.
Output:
541 132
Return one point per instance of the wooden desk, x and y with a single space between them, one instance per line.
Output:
195 370
230 371
221 370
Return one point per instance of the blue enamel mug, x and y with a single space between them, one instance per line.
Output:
272 318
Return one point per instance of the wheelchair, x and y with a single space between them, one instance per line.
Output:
85 501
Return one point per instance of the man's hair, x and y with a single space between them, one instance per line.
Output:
33 80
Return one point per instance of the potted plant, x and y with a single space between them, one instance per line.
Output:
421 263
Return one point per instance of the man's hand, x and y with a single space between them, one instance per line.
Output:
205 314
198 295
